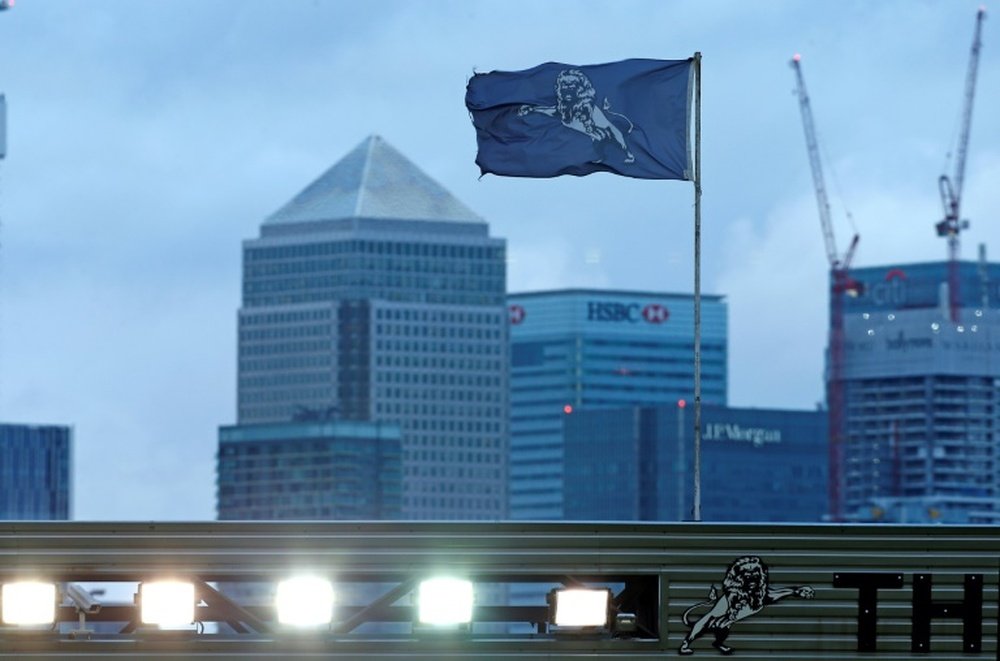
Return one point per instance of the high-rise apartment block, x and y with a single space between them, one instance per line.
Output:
35 472
374 295
581 349
921 395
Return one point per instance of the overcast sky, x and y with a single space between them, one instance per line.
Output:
147 139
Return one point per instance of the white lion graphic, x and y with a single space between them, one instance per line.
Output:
575 107
745 592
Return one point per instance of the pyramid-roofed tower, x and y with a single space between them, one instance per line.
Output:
374 296
373 181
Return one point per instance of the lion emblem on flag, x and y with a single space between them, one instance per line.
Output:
576 109
745 591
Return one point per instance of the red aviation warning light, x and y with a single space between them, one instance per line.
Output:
568 409
681 403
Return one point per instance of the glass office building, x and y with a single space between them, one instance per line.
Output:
636 464
374 295
35 472
575 350
310 470
922 395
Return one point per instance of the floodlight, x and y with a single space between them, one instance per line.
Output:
580 607
304 601
84 601
28 602
167 603
445 601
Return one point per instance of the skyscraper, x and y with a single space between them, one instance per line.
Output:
35 472
375 295
636 464
922 396
581 349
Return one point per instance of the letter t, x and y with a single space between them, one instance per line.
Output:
867 585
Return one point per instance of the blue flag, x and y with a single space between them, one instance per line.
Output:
630 118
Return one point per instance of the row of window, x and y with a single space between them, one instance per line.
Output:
437 316
432 361
239 510
442 331
379 280
417 473
310 346
454 378
293 395
440 427
435 250
409 409
451 457
286 363
414 346
462 509
422 394
284 332
453 442
297 317
285 379
381 265
471 298
465 486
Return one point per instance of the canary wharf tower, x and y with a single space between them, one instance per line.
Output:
374 295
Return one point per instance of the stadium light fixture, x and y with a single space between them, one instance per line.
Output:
28 603
580 607
445 601
167 603
304 601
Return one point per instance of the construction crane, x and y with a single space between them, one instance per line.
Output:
951 188
841 285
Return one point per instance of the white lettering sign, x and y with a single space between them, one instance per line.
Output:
758 436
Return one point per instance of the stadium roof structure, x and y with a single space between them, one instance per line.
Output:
822 584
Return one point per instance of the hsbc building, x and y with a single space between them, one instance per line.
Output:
580 349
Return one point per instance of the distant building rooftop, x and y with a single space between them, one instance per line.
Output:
373 181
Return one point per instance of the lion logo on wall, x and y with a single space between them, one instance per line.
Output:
576 109
745 592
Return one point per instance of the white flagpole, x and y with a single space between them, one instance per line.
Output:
697 287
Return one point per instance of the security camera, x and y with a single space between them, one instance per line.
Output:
84 601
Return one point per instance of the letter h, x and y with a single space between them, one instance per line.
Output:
969 610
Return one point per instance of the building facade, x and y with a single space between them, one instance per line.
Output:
374 295
35 472
922 396
636 464
310 470
579 349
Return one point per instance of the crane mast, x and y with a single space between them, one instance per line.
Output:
841 284
951 188
815 163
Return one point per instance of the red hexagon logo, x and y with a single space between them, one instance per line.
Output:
655 313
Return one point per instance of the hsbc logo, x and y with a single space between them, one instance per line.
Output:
655 314
631 313
517 314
